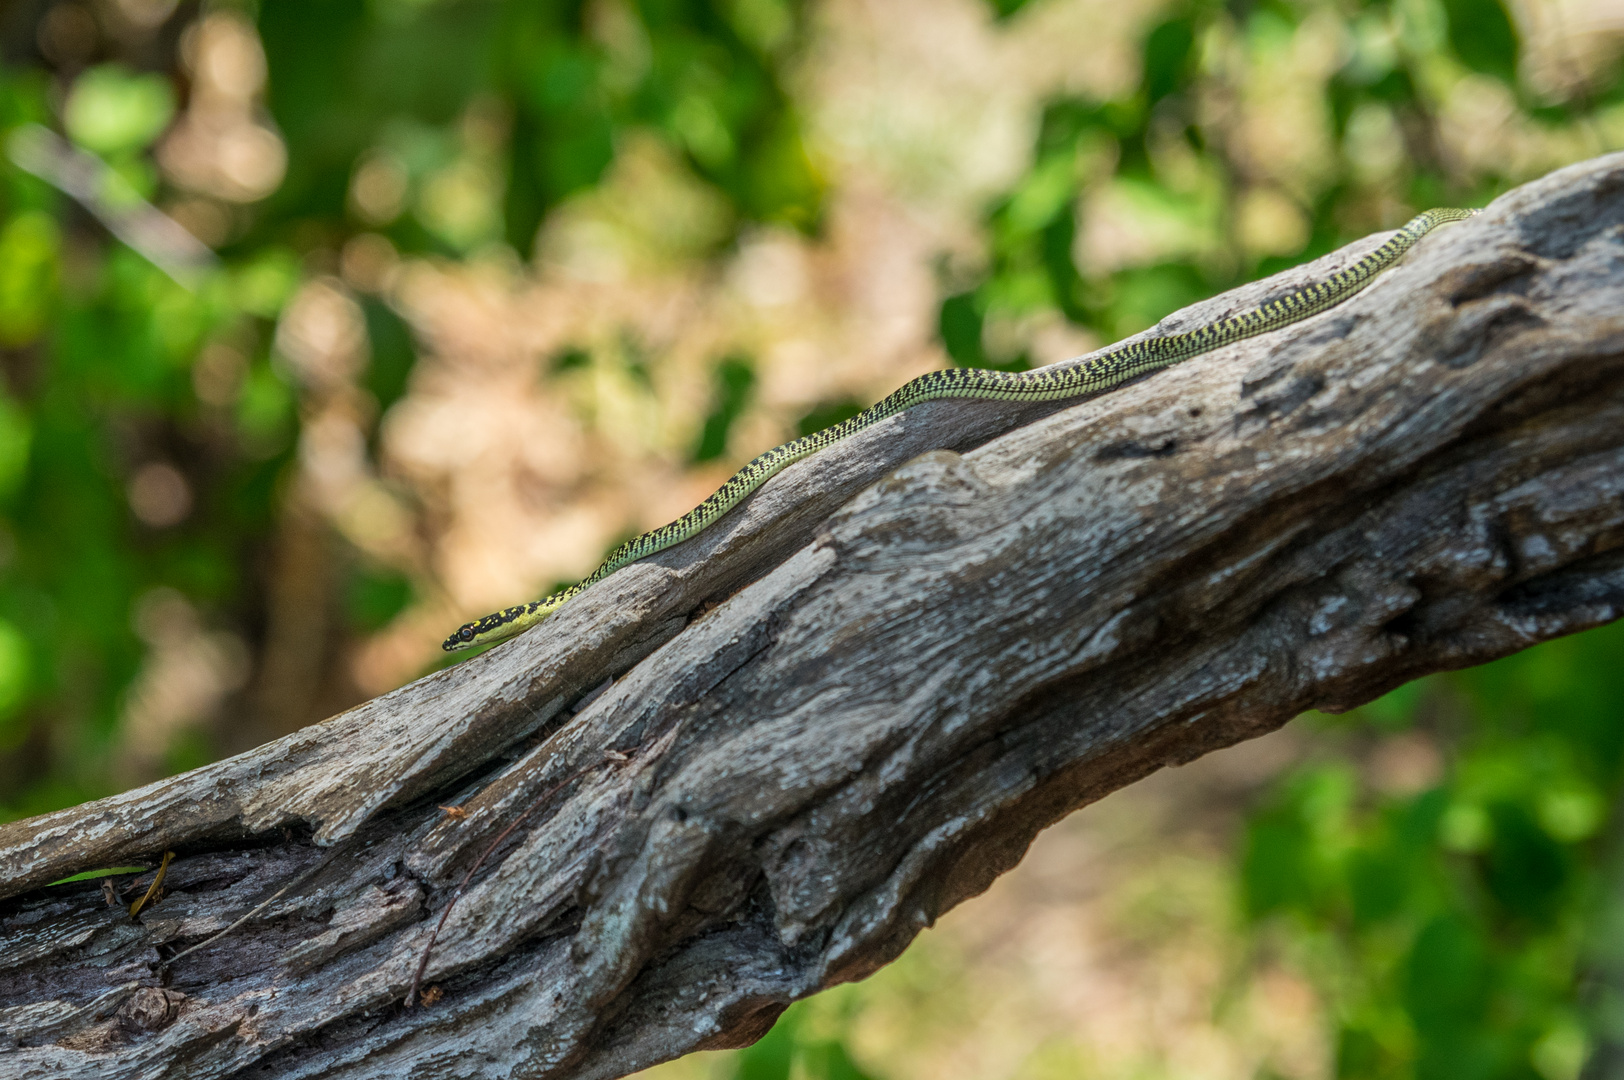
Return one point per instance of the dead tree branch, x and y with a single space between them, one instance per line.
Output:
926 645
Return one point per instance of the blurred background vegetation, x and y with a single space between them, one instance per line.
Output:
327 324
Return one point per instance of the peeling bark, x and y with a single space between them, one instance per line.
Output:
853 703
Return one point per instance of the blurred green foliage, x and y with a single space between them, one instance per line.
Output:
99 346
1173 154
828 415
808 1041
735 379
1451 931
1451 927
484 115
702 74
114 112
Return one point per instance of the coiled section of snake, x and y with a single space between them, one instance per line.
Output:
1109 369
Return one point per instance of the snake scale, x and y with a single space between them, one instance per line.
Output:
1109 369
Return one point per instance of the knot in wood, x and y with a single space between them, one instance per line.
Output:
150 1009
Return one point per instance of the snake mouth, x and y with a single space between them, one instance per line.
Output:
462 639
498 626
481 631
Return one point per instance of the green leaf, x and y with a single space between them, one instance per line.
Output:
1167 57
1359 1056
91 875
262 285
1525 869
1047 190
16 438
1276 864
959 324
392 352
1482 35
374 598
112 111
829 1060
771 1056
1447 978
16 672
735 378
1003 9
828 415
1377 883
29 247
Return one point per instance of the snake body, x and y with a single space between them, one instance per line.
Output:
1103 372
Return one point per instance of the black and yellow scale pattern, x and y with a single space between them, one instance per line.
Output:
1103 372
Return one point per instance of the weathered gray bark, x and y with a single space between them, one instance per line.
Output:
918 660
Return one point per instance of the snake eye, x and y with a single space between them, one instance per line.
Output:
466 633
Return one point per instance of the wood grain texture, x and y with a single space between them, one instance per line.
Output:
852 704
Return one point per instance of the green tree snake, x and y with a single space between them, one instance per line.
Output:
1109 369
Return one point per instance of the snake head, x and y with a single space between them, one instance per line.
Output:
497 626
501 625
462 639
